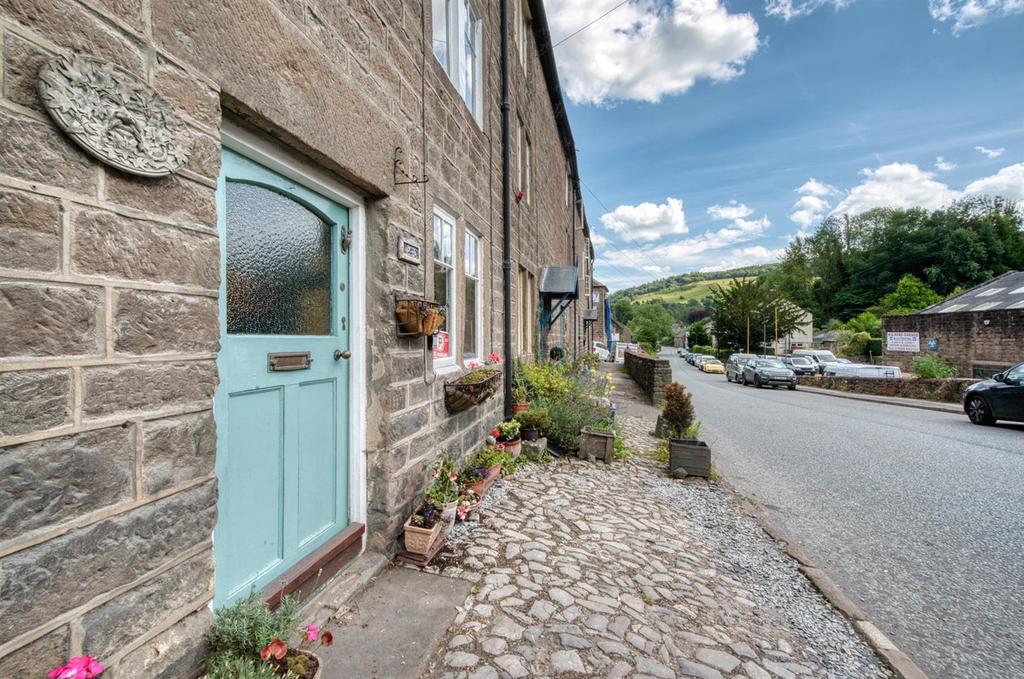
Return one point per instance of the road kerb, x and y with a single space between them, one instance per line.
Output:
936 407
898 661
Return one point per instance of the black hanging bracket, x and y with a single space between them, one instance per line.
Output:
402 177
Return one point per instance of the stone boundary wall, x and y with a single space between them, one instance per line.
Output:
652 374
946 391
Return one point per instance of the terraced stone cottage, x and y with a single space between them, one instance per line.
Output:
209 212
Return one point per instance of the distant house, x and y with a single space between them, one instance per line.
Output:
827 339
621 332
980 332
802 337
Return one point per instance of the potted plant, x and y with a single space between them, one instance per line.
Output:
687 454
473 388
423 528
418 317
485 468
443 492
248 639
534 423
597 442
520 394
507 434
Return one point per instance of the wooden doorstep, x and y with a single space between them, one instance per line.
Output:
318 568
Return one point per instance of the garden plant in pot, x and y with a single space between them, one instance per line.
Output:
688 456
437 511
249 640
483 470
520 396
533 424
507 436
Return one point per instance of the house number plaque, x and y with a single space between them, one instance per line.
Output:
115 117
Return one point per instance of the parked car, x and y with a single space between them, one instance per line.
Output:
601 350
713 365
878 372
1000 398
768 372
801 365
699 361
683 353
734 366
820 356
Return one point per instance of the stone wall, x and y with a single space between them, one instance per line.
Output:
949 391
651 374
978 343
109 291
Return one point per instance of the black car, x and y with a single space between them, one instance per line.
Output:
734 366
801 365
1000 398
768 372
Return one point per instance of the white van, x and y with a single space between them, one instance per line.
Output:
821 357
601 350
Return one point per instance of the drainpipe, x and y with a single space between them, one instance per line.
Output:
506 206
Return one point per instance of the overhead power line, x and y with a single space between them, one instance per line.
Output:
626 236
580 30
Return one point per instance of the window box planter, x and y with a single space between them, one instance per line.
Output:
471 389
690 455
418 317
597 445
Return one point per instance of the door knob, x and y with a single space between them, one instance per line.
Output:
339 354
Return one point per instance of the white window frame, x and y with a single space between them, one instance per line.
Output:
521 22
471 236
458 16
528 169
452 302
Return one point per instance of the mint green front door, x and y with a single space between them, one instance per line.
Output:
282 403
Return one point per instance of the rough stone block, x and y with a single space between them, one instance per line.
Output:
22 61
176 450
128 11
107 244
50 320
110 390
30 232
186 93
180 651
43 483
405 367
34 400
37 658
72 26
172 197
154 323
35 151
112 626
408 423
66 572
205 157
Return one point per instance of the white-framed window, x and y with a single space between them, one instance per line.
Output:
527 167
523 158
521 28
444 286
457 42
471 319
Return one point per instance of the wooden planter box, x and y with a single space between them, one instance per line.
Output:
459 396
597 445
692 455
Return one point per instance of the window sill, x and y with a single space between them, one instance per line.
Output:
446 366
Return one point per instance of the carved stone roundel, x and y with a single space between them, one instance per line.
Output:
114 116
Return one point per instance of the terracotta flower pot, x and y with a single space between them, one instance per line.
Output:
513 447
520 408
313 659
418 540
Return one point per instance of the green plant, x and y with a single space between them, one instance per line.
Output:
507 431
931 367
661 454
678 410
444 489
519 393
571 413
245 627
225 665
535 418
489 456
546 380
693 431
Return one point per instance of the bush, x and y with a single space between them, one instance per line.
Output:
931 367
678 410
571 413
546 380
535 418
247 626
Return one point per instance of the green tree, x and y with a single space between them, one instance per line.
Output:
699 333
748 311
651 324
911 295
622 310
865 322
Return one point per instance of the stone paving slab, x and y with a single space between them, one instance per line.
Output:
582 569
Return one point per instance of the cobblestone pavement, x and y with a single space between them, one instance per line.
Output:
584 569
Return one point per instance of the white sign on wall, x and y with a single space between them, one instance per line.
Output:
903 341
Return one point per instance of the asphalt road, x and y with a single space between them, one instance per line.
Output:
917 515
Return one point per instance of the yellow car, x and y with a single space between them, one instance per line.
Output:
715 367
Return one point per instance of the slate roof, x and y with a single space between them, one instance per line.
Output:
1002 292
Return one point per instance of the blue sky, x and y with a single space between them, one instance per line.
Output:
701 123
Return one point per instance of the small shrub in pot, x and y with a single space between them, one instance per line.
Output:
687 454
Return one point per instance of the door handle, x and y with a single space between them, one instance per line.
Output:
339 354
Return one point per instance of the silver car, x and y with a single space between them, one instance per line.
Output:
768 372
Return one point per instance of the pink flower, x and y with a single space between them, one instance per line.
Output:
81 667
452 476
494 358
312 632
473 365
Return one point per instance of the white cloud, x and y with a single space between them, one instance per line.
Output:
812 187
967 14
809 210
746 257
1007 183
791 9
691 251
989 153
647 49
647 222
943 165
897 185
597 239
730 211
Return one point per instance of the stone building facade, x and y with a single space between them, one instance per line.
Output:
975 343
116 378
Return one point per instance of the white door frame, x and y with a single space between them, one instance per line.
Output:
267 153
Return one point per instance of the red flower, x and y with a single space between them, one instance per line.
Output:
276 648
326 638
